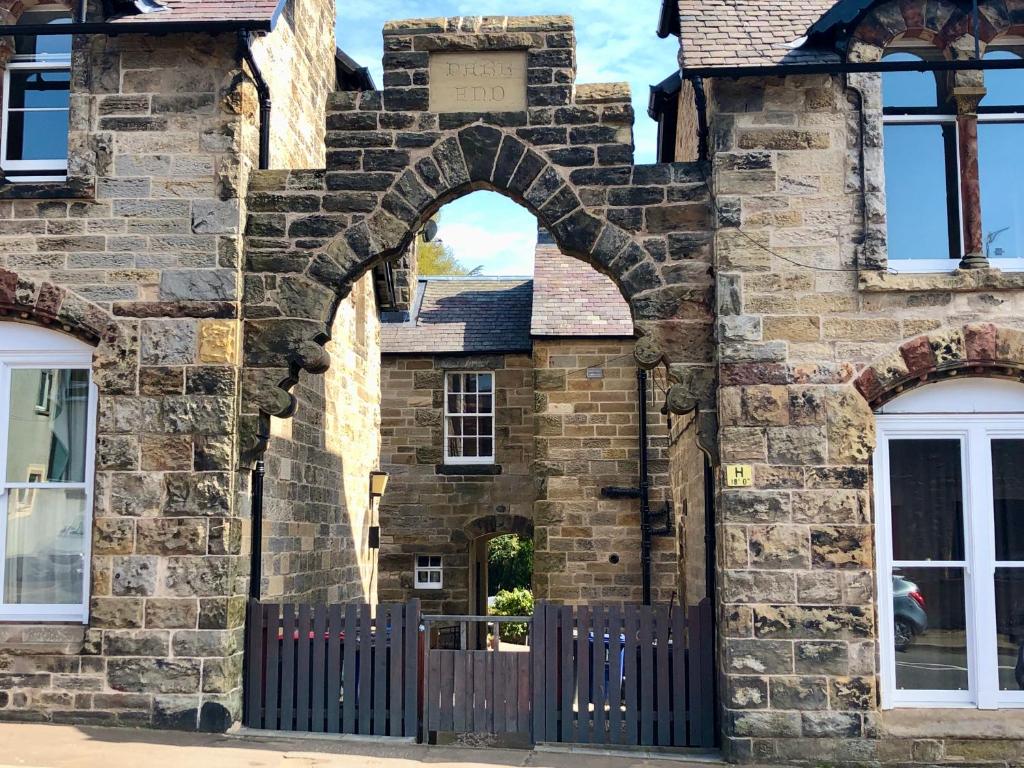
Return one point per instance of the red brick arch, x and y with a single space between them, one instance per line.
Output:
975 349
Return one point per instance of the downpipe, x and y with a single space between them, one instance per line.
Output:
645 490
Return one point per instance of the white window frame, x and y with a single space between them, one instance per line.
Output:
974 426
427 570
448 458
31 347
48 62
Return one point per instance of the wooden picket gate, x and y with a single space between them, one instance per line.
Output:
636 675
333 669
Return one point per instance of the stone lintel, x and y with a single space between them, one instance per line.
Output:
957 281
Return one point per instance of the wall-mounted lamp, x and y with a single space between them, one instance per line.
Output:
378 482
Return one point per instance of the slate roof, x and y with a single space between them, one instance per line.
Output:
571 298
732 33
210 10
465 314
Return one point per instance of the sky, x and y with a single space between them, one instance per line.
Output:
614 42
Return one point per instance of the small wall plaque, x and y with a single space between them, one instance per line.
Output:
739 475
478 81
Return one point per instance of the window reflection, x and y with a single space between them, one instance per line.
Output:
47 425
1009 584
934 658
45 551
927 500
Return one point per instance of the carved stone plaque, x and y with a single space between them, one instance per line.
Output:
478 81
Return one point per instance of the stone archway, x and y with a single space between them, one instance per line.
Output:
565 154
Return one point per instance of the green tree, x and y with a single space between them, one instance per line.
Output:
509 563
513 602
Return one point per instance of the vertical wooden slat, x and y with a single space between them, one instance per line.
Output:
302 662
696 709
629 663
479 691
662 677
678 678
460 691
614 675
273 626
434 690
447 689
568 688
489 685
410 718
334 669
646 677
551 673
469 664
396 646
582 731
319 670
380 670
707 672
364 650
286 721
348 671
256 663
597 667
523 719
536 674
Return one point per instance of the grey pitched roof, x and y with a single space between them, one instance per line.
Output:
733 33
464 315
571 298
211 10
470 314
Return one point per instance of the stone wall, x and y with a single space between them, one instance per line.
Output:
428 512
686 475
796 326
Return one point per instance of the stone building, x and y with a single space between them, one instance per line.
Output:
128 150
540 374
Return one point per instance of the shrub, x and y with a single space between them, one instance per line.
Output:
513 602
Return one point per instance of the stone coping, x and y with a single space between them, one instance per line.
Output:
34 638
955 723
958 281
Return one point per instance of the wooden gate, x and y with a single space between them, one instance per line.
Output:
637 675
475 691
333 669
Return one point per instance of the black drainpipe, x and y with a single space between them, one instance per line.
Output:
259 471
645 490
700 104
263 91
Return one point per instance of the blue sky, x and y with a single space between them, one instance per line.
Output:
614 42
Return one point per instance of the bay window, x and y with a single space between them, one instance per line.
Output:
47 424
36 101
950 505
469 418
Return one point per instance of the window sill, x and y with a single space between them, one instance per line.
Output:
953 723
956 281
70 189
37 639
467 469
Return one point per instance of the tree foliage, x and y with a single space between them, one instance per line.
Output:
509 563
513 602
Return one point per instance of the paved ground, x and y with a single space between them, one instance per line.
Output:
60 746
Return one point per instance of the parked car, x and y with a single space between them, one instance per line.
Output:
908 607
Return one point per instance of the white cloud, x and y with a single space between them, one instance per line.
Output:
499 251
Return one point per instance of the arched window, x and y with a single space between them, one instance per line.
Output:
921 183
36 100
47 428
950 521
1000 161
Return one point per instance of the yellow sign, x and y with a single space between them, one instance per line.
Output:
478 81
739 475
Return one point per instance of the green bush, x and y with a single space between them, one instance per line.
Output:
513 602
509 562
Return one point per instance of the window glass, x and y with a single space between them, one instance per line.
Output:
37 135
45 548
47 425
930 628
917 207
926 493
1009 588
1005 87
1008 498
43 46
1001 168
469 411
908 89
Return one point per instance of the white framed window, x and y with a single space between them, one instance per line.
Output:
950 524
469 417
428 574
36 101
46 475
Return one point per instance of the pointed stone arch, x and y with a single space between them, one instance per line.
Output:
568 158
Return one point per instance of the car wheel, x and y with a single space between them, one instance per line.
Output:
904 634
